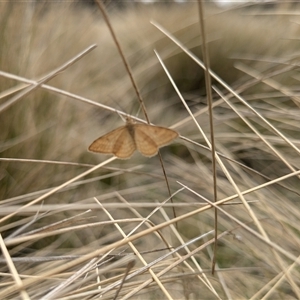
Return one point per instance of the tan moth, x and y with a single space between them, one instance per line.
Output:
123 141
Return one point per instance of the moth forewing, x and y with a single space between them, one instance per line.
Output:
105 143
124 145
161 135
150 138
144 143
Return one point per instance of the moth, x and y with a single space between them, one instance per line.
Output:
123 141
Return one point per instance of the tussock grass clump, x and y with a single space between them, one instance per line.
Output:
78 225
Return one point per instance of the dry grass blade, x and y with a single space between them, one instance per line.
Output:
191 55
249 229
134 249
52 74
247 206
250 211
257 133
52 191
208 86
13 270
72 223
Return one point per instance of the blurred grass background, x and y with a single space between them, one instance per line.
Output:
45 126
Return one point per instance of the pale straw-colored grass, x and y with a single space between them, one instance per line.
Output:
77 225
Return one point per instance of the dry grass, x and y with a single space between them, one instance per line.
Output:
74 223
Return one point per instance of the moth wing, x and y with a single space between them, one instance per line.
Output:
150 138
124 145
118 142
105 143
